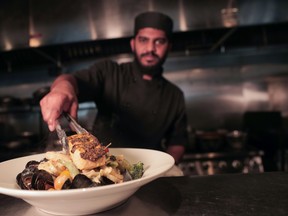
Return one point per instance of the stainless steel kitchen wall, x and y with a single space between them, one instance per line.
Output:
34 23
217 98
218 87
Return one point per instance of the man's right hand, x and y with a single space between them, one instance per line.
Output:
61 98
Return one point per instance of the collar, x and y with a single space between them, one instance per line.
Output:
139 75
157 73
147 77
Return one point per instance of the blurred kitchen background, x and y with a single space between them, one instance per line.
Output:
230 57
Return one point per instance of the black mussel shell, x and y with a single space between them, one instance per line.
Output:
24 179
42 180
19 180
81 181
105 181
67 184
32 164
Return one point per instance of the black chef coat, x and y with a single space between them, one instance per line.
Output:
133 112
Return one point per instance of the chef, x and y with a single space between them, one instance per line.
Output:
136 106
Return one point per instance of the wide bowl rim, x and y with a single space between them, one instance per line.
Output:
137 183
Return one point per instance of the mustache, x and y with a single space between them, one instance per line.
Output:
150 53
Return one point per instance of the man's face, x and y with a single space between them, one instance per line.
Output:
151 47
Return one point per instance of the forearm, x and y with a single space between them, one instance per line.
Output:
176 151
62 97
65 81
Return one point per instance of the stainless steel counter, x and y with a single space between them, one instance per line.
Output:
228 194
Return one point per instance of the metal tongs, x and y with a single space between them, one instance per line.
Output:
62 137
79 129
62 134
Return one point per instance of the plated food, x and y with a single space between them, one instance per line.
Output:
90 200
87 164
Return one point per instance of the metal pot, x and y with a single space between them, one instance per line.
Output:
236 139
23 141
9 101
210 141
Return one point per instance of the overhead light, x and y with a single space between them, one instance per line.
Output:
230 14
229 17
35 40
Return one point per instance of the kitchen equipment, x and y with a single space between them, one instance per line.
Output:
265 132
210 141
9 101
222 163
236 139
24 141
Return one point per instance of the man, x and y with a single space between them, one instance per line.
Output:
136 106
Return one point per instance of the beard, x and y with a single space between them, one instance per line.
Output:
153 70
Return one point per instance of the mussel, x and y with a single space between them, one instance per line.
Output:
32 164
33 179
105 181
67 184
81 181
42 180
24 179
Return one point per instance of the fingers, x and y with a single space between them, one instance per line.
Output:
52 106
51 109
74 109
53 116
50 116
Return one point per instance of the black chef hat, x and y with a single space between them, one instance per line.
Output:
154 20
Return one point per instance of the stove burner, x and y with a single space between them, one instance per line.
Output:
220 163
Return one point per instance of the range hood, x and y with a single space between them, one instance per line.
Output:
52 32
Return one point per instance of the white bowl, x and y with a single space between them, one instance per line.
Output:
88 200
